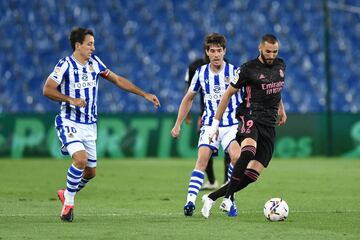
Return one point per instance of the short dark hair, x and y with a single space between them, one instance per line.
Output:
78 35
213 39
270 38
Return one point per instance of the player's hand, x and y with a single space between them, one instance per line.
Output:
214 131
188 119
199 123
281 118
78 102
152 98
175 132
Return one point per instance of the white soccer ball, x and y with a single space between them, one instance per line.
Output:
276 209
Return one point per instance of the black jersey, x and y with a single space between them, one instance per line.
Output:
263 85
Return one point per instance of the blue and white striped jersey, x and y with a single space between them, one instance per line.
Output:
79 81
213 87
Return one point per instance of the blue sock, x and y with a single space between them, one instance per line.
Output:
195 183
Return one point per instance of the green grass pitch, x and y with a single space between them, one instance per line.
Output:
143 199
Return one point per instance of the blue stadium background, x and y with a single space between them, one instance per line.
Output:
152 42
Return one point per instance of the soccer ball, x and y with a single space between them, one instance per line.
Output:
276 209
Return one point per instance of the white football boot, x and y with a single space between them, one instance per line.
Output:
208 203
226 205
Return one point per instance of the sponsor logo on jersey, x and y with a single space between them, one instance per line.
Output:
215 96
84 84
261 76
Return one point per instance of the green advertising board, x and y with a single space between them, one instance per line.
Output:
33 135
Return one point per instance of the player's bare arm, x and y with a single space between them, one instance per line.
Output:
184 109
224 102
282 114
50 90
125 84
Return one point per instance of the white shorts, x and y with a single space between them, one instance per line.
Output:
226 136
76 137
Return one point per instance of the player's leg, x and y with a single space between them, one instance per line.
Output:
211 183
73 178
69 134
227 136
90 169
197 179
234 154
248 150
251 174
265 149
228 167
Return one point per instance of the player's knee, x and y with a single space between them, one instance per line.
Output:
80 159
251 174
201 164
248 152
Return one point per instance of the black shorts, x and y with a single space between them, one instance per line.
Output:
262 134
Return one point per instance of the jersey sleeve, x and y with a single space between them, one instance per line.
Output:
195 82
239 79
104 71
59 71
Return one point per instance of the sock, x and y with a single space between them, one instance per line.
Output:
227 162
229 171
82 184
247 154
210 171
218 193
74 175
196 180
250 176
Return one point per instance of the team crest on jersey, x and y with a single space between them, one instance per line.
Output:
91 68
227 79
84 77
217 89
57 70
281 72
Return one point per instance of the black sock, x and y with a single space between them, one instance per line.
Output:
218 193
210 171
250 176
247 154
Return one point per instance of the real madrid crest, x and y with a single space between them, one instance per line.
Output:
281 72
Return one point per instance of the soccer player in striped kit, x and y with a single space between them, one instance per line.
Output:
74 83
213 79
212 183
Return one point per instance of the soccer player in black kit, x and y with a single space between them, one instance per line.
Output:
263 79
